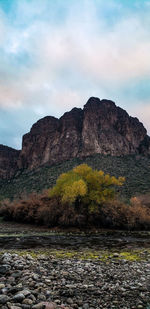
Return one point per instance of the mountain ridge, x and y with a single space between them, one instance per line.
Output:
100 127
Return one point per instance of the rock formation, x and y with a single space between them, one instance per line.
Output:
8 161
100 127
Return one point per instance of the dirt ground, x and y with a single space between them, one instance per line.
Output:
18 228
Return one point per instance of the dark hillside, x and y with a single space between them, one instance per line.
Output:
136 169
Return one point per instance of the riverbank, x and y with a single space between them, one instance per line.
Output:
64 280
25 236
102 269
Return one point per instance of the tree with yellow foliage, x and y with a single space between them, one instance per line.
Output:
86 189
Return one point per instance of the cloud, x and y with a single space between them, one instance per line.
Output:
54 55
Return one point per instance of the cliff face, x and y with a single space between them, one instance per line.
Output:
101 127
51 140
8 161
108 129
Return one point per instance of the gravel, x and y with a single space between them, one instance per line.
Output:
51 283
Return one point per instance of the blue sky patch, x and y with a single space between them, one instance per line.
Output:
54 55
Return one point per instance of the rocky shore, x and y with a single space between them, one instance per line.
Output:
46 281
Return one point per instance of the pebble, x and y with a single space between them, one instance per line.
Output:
116 255
38 306
14 307
18 298
27 301
3 299
52 283
4 269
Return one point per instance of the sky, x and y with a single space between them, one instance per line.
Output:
55 54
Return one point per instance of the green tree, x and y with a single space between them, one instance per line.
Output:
86 189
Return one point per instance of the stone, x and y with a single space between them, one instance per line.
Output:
24 306
50 305
27 301
86 306
116 255
4 299
14 307
69 301
39 306
4 290
4 269
18 298
25 292
99 284
41 297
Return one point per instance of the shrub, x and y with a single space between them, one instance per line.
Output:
117 214
85 189
78 211
41 209
23 210
6 209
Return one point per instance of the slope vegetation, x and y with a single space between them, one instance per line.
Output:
136 170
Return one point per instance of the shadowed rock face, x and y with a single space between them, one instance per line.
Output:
108 129
8 161
51 140
38 144
101 127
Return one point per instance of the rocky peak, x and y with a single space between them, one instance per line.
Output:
92 103
100 127
8 161
72 119
95 103
47 123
